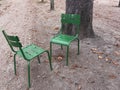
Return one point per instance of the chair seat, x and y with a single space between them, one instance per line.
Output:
31 51
63 39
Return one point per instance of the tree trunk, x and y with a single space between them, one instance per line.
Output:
119 4
85 9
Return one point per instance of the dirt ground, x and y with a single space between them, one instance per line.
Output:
96 68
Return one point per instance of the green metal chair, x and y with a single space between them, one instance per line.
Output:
28 53
64 39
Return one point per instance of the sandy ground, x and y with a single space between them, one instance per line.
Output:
96 68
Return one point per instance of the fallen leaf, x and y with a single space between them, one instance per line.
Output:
56 28
79 87
63 77
74 66
69 80
57 72
112 76
85 67
99 53
34 30
117 53
44 75
100 57
107 59
60 58
6 7
117 45
11 55
115 63
46 61
94 49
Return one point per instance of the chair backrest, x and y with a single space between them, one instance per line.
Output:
72 20
14 41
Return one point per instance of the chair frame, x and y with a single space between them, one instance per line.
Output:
67 19
14 41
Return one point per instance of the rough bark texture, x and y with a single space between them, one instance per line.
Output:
85 9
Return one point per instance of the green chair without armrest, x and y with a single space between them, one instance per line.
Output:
28 53
64 39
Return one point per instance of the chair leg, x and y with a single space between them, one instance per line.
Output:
67 55
61 47
15 64
38 59
50 50
29 84
78 46
49 60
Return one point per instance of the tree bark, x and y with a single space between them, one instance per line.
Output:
85 9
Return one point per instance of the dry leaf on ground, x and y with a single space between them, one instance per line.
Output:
79 87
60 58
115 63
34 30
57 72
99 53
56 28
94 50
117 44
112 76
100 57
74 66
107 59
117 53
46 61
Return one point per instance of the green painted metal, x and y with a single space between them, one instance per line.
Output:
38 59
78 46
28 53
29 84
61 47
70 19
15 64
64 39
49 59
51 50
67 55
